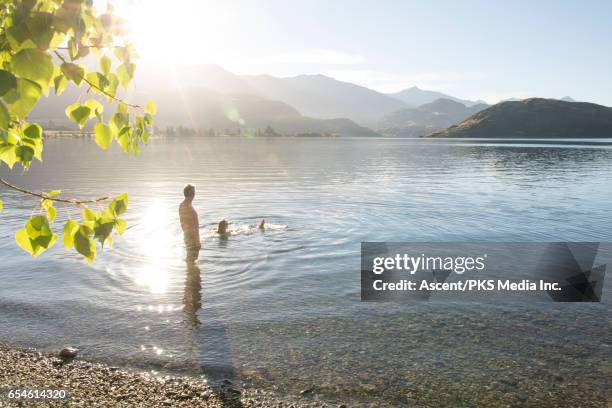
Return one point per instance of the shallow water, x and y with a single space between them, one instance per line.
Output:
280 308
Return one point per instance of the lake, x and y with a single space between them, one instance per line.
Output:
281 309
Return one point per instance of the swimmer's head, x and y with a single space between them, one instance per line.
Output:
189 191
222 229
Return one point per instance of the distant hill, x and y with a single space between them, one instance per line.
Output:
535 118
416 96
324 97
415 122
207 97
565 98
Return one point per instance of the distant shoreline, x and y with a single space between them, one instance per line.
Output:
599 141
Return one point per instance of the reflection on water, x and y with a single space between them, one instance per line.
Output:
155 247
282 306
193 294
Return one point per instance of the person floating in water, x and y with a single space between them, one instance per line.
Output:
190 224
223 228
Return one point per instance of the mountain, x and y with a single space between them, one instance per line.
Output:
565 98
415 122
535 118
416 97
324 97
513 99
207 97
209 76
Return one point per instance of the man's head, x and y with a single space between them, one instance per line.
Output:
189 192
222 228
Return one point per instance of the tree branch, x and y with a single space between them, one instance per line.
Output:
98 47
46 197
61 57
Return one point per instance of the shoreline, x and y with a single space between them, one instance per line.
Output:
97 384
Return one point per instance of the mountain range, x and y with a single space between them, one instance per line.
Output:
535 118
415 96
210 97
427 118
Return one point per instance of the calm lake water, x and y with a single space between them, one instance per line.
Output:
281 309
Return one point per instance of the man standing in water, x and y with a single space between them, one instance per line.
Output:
190 224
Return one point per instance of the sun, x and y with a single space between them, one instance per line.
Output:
184 32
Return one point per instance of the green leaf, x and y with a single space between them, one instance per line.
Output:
122 108
122 54
120 226
8 154
103 230
119 205
70 229
73 72
96 108
102 135
23 240
83 244
118 121
99 81
1 206
39 27
89 215
124 138
78 114
53 193
25 154
18 37
150 109
60 83
22 99
111 88
135 149
125 73
33 131
105 65
7 82
5 118
49 209
36 237
35 65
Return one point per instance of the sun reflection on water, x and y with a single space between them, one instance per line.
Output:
156 246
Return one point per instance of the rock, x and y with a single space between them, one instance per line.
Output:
69 352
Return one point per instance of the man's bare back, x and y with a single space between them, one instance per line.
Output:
190 224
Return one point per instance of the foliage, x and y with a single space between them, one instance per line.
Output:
42 46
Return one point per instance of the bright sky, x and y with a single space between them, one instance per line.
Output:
471 49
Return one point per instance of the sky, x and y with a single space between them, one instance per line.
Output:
469 49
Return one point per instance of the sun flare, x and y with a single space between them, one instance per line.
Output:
180 32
